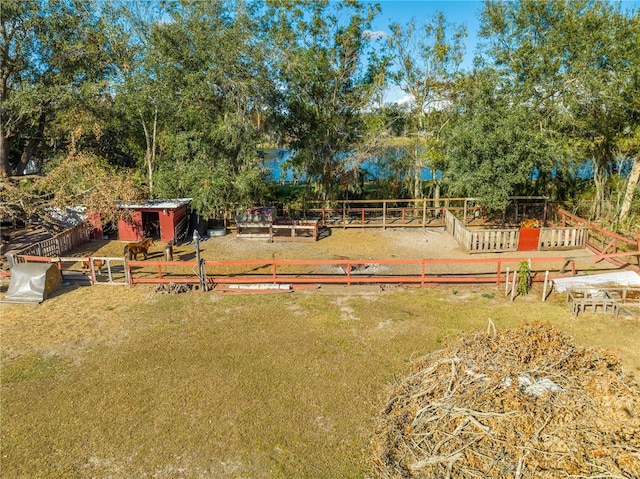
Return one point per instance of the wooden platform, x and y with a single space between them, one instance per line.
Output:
280 230
582 300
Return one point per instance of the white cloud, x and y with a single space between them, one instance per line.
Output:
404 100
375 34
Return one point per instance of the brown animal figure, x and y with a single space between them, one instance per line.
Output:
97 265
530 223
168 250
132 250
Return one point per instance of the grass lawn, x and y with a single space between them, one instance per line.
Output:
122 382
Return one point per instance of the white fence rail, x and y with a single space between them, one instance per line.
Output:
506 239
563 238
481 241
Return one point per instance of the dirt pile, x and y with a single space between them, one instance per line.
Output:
522 403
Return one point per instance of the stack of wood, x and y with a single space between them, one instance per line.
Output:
525 403
175 288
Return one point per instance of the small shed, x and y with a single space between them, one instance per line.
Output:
161 220
32 282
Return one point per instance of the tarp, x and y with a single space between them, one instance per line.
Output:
32 282
619 279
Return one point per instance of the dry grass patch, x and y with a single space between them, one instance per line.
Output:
118 382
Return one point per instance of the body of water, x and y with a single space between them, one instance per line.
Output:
377 168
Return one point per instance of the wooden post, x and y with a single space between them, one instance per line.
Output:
127 272
464 216
384 219
513 286
274 272
506 283
92 270
344 214
424 212
544 289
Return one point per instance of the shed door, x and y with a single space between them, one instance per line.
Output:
151 224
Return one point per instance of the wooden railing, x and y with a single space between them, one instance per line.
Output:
614 248
563 238
59 244
481 241
300 272
85 269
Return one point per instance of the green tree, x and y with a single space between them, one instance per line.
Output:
326 77
573 65
204 77
494 144
427 60
55 70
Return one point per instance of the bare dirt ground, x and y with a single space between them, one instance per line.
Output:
354 244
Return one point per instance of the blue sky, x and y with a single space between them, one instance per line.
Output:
466 12
458 12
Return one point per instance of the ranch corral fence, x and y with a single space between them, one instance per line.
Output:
89 270
377 213
558 238
615 248
59 244
480 241
487 240
313 273
346 272
403 213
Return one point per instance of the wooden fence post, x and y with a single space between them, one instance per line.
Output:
544 289
506 283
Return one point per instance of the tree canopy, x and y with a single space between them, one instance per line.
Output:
182 98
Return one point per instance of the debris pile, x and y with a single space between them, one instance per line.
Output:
520 403
174 288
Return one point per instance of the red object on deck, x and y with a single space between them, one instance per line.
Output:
529 239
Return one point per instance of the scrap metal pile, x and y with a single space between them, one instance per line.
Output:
520 403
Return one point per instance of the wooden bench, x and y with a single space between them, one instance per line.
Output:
581 300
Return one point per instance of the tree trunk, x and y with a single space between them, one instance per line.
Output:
5 167
417 182
599 180
152 162
148 154
632 183
31 147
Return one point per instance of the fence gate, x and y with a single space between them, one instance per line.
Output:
105 270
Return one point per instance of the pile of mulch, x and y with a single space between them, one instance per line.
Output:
522 403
